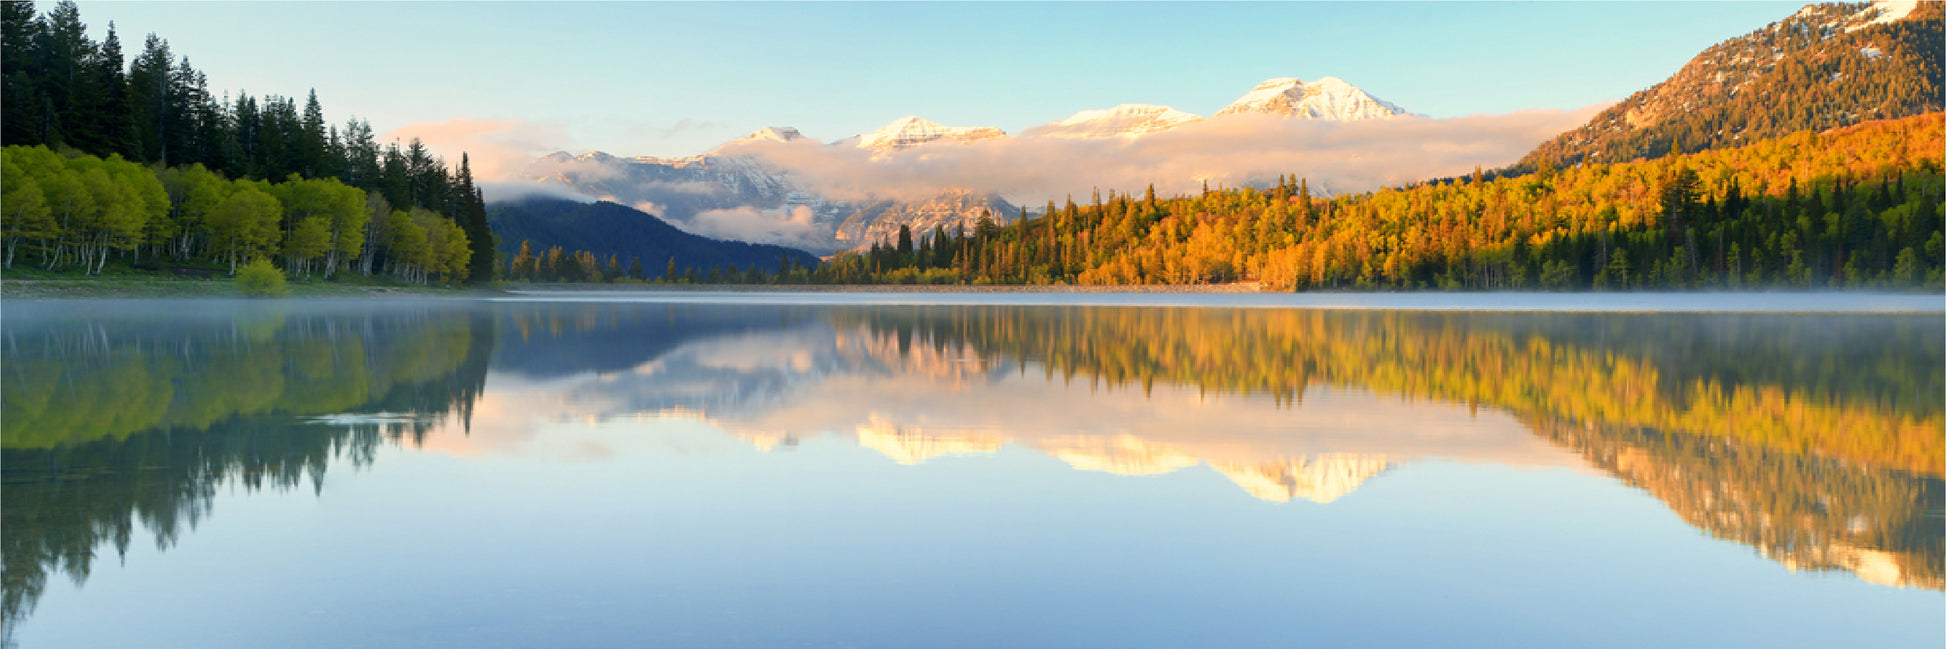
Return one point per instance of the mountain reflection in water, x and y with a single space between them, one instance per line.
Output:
1813 439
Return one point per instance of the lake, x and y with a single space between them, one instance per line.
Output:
976 470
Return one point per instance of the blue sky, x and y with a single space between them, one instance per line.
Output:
679 78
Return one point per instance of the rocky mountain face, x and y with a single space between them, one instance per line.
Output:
693 192
878 222
1827 66
1329 98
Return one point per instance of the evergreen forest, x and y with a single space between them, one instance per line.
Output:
1852 207
137 162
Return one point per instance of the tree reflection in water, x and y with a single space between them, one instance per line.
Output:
1814 439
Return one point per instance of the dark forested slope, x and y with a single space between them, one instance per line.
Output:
608 230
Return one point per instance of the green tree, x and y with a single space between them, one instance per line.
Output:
24 213
243 225
260 278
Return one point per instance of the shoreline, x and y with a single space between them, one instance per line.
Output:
116 288
1236 295
122 288
1248 288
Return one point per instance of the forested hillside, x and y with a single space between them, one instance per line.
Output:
1855 207
99 111
604 241
1827 66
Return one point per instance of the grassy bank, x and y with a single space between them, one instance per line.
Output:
50 289
123 281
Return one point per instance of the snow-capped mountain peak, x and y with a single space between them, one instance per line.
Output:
910 131
1126 120
1329 98
775 134
765 134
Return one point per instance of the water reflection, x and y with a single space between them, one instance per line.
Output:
111 419
1805 511
1813 439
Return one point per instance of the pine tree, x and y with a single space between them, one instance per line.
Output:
469 211
111 119
64 51
311 144
20 31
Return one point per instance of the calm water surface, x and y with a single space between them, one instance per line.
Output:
804 471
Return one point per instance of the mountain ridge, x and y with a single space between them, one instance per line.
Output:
1328 98
606 228
1826 66
1124 120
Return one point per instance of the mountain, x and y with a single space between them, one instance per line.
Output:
605 229
1828 65
764 203
878 222
1126 120
1329 98
729 194
775 134
911 131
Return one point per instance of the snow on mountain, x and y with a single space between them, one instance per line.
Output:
731 192
1787 76
951 211
1329 98
1882 12
776 134
1126 120
911 131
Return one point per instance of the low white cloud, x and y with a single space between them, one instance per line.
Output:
1335 157
650 207
794 226
497 147
498 191
685 187
1230 151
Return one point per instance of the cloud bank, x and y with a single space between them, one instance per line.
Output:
498 148
1230 151
1029 170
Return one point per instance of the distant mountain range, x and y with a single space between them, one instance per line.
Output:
1130 120
911 131
1826 66
720 192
